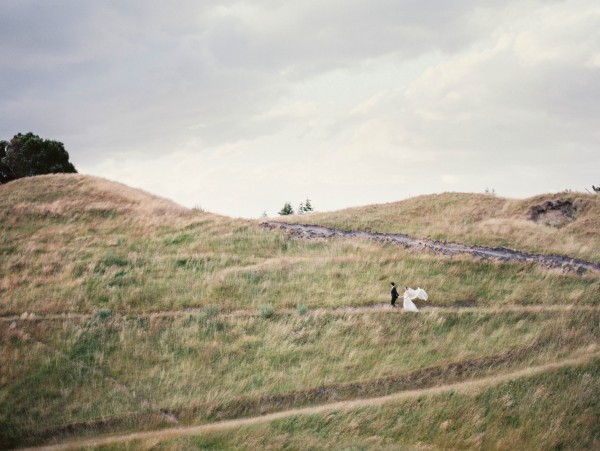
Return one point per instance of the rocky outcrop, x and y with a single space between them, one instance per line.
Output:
554 213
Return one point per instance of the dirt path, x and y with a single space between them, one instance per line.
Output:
467 387
424 308
305 231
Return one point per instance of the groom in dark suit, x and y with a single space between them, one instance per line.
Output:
394 294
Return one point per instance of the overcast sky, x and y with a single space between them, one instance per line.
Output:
239 106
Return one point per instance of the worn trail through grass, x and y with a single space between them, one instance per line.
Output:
377 308
466 387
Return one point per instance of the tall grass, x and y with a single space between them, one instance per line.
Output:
79 244
110 365
133 262
529 413
477 219
108 264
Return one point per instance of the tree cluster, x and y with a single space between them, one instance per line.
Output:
28 155
304 207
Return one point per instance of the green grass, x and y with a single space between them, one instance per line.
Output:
477 219
528 413
133 263
210 366
157 277
268 330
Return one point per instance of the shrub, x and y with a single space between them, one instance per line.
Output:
211 310
266 311
103 314
302 309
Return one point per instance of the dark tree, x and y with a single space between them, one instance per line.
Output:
5 173
28 155
286 210
308 206
596 189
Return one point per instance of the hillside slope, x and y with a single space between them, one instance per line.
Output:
563 223
72 243
123 311
62 235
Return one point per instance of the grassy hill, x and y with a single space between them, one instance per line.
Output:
122 312
563 223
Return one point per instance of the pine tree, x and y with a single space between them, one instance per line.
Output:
308 206
286 210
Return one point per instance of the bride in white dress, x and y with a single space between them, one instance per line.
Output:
410 295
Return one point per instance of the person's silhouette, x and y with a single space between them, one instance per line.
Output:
394 294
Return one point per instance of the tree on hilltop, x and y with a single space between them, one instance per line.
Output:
29 155
5 172
308 206
286 210
305 207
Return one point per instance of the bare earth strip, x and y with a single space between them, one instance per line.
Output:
467 387
305 231
377 308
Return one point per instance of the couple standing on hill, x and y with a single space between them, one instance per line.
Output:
409 296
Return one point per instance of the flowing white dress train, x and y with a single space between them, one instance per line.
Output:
409 295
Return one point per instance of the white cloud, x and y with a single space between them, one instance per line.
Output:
450 179
240 106
593 61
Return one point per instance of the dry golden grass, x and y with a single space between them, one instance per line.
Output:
73 196
75 243
72 243
207 367
478 219
533 412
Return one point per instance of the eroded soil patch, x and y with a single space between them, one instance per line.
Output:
311 232
554 213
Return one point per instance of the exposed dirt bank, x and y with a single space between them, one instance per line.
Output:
311 232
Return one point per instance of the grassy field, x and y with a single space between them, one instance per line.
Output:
529 413
482 219
77 244
196 318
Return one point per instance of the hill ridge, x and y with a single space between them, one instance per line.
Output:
311 231
116 304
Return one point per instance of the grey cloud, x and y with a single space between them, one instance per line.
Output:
150 77
127 72
308 36
32 29
123 75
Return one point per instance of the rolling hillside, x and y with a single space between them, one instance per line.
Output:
563 223
124 312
